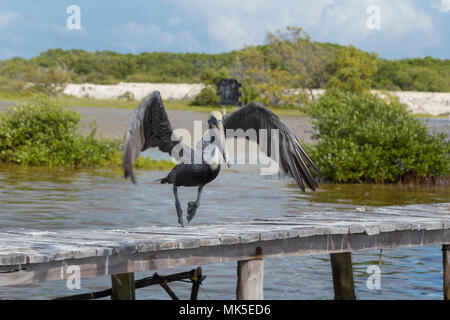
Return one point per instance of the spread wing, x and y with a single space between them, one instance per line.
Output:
293 159
149 127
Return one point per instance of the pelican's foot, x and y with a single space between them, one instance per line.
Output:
192 209
180 217
181 221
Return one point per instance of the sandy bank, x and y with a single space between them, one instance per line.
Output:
434 103
169 91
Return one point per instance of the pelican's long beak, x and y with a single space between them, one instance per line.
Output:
223 143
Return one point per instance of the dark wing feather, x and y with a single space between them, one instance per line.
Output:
293 158
149 127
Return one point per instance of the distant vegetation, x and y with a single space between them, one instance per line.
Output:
43 132
206 97
427 74
287 60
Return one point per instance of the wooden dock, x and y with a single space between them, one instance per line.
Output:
28 256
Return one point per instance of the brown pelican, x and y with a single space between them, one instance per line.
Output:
150 127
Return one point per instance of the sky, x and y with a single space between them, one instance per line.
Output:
394 29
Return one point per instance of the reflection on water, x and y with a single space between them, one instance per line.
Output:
375 194
46 198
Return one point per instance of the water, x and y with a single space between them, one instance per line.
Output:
48 199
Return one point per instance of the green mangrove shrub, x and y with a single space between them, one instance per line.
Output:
43 132
365 138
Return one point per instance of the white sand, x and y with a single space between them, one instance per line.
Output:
169 91
435 103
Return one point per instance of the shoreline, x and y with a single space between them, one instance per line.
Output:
114 122
433 103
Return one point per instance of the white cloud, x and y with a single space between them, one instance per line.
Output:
231 24
445 6
347 20
7 18
137 37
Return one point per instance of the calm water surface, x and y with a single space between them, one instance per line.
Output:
48 199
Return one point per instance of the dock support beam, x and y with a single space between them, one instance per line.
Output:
250 275
446 262
341 267
123 286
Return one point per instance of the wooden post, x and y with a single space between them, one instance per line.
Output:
123 286
250 274
169 291
341 267
446 279
196 280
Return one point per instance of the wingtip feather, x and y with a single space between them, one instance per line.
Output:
128 172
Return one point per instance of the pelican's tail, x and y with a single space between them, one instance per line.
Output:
164 180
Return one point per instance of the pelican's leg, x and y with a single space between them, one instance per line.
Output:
178 206
192 206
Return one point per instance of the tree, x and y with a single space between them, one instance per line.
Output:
265 81
352 70
210 76
50 81
276 73
293 51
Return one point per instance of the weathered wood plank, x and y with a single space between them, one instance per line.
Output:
170 258
312 232
22 247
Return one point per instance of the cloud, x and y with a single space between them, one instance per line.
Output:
8 18
347 20
136 37
409 28
231 24
445 6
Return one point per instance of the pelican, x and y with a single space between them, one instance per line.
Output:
150 127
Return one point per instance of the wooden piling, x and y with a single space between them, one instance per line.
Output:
341 267
169 291
196 281
446 278
123 286
250 274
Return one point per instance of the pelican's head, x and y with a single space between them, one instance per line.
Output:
214 118
215 121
